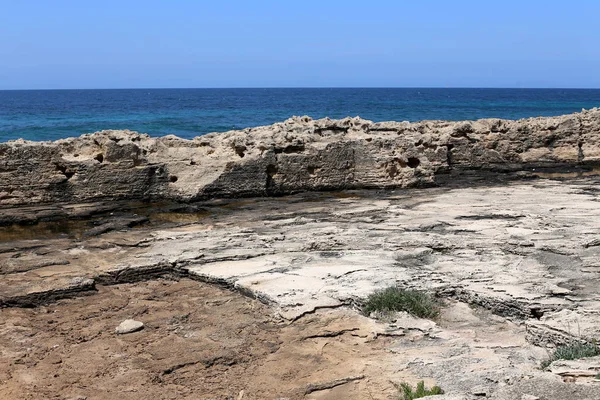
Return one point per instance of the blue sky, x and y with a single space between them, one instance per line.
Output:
426 43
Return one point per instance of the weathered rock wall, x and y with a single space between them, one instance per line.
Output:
296 155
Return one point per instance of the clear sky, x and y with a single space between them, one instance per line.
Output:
327 43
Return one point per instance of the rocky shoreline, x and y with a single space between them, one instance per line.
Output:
297 155
472 213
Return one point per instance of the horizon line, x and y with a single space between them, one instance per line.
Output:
310 87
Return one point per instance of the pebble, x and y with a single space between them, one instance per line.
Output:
129 326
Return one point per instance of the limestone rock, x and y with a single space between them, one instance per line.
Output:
584 367
299 154
309 252
129 326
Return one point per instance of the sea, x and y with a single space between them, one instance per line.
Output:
56 114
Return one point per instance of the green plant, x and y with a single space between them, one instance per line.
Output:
393 298
572 352
407 393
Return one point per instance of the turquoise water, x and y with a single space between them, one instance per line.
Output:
55 114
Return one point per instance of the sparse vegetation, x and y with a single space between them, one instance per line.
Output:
572 352
407 392
393 298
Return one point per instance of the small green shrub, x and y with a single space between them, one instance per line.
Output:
407 393
572 352
393 298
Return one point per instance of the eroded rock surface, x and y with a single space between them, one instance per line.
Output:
191 349
518 264
296 155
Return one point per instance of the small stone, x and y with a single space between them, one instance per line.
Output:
559 291
129 326
529 397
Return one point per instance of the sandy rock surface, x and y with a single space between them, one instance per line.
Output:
517 264
190 349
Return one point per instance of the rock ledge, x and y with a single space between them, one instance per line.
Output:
299 154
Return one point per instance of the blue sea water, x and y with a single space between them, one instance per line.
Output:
55 114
